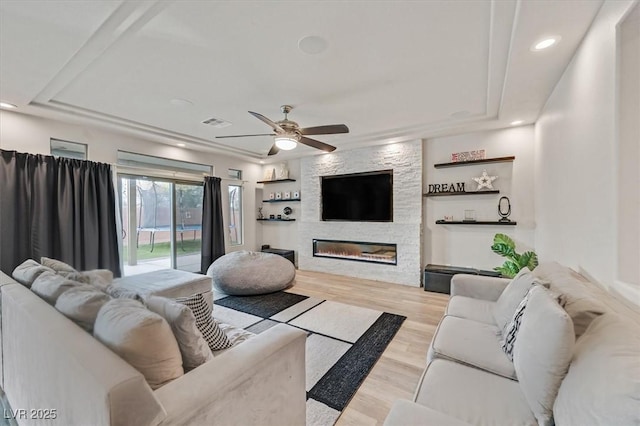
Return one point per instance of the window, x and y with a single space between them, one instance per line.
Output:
75 150
235 215
235 174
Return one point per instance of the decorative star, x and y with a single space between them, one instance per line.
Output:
485 180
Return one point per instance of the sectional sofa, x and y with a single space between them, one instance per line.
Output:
576 357
54 372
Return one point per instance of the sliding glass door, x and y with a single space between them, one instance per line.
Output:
162 224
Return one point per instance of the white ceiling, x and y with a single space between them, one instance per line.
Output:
392 70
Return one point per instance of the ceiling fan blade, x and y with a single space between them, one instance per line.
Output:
325 130
274 150
245 136
273 125
317 144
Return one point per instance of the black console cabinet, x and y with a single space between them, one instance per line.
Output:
287 254
438 277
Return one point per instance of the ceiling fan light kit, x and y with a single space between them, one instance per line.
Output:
286 142
288 134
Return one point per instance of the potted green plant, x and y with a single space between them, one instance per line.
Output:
506 247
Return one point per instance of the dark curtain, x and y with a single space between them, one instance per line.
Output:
59 208
212 227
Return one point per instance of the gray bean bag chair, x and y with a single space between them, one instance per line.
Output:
247 273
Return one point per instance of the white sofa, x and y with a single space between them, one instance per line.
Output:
50 363
469 380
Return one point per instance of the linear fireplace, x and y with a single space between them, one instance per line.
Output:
355 250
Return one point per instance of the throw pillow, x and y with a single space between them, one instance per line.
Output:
605 373
511 297
122 293
57 265
140 337
50 286
511 332
81 305
27 272
542 352
210 329
193 347
99 278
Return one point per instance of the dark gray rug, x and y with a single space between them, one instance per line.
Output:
264 305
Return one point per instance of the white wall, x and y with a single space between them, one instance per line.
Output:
469 245
628 154
576 157
405 160
25 133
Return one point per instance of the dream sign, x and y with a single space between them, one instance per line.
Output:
446 187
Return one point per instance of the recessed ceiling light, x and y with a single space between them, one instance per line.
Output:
261 161
313 45
181 145
517 122
7 105
545 43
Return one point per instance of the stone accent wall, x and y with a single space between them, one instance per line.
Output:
406 161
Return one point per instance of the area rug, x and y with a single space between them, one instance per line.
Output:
343 342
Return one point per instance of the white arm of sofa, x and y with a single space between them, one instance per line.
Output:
260 381
407 413
478 286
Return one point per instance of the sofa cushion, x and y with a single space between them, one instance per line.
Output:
81 305
580 296
543 351
603 382
470 308
193 347
472 343
27 272
49 286
215 337
405 413
170 283
140 337
510 298
473 395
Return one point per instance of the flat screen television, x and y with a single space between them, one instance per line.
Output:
358 197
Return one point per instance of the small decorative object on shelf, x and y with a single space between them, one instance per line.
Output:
484 181
468 156
283 172
279 216
296 194
286 195
272 216
272 196
473 162
287 211
278 195
504 209
469 216
260 215
448 218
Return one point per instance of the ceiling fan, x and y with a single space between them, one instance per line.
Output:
288 134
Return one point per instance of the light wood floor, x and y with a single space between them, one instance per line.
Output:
398 370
